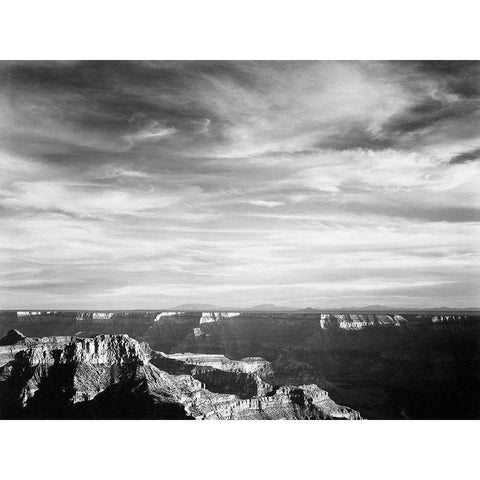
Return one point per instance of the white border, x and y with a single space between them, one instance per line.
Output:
247 29
239 450
218 29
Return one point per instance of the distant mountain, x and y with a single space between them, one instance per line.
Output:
270 307
207 307
197 306
375 307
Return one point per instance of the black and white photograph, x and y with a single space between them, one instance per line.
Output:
240 240
229 238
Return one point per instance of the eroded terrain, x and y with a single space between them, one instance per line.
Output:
383 365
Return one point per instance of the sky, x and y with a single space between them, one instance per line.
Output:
145 185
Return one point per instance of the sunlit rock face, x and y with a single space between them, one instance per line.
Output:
306 402
167 331
209 317
32 316
448 318
197 332
25 314
112 376
98 316
245 365
359 321
244 378
165 314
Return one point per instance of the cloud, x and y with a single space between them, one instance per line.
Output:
469 156
147 129
265 203
204 127
148 184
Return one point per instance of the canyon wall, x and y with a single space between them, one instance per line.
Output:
114 376
386 365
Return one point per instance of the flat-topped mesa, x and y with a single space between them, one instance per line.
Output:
353 321
31 315
94 317
256 365
23 313
448 318
210 317
101 316
165 314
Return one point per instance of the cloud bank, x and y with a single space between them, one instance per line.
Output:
327 184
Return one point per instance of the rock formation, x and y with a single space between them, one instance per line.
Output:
387 364
114 376
358 321
209 317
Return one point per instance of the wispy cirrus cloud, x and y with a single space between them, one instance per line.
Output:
146 184
147 129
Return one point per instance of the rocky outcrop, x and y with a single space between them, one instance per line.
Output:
449 318
245 378
102 349
13 337
165 314
358 321
306 402
209 317
114 376
256 365
26 314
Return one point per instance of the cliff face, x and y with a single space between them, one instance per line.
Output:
244 378
256 365
100 350
358 321
209 317
384 365
306 402
114 376
172 327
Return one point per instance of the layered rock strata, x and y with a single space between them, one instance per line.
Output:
114 376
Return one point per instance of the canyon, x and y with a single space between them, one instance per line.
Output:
383 365
116 377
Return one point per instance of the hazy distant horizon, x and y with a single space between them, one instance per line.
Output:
310 184
287 308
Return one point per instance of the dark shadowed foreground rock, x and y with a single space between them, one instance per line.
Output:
116 377
12 337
